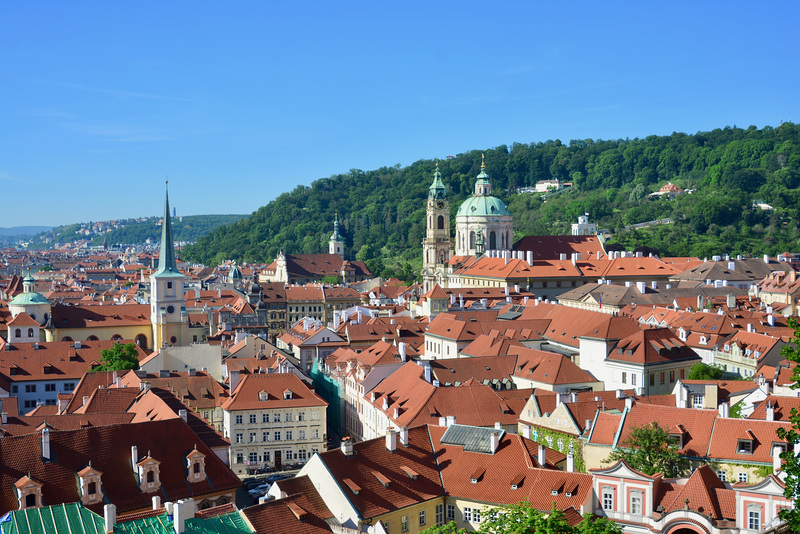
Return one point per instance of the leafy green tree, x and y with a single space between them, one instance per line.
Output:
522 518
330 279
648 449
791 462
703 371
119 357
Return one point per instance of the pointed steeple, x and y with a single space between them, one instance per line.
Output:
437 189
336 235
166 256
483 187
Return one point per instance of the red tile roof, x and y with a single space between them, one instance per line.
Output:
246 395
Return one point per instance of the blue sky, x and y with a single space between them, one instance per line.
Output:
237 102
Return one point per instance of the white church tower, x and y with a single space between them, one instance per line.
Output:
167 305
336 243
437 246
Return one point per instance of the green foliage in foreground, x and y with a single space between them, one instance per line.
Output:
791 462
522 519
118 358
726 170
648 449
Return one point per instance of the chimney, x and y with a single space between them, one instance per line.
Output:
443 421
495 441
391 439
724 409
574 397
559 400
776 459
770 412
404 436
749 327
156 502
3 418
766 258
451 420
771 320
77 345
234 377
628 403
570 463
110 517
184 414
401 348
85 400
46 444
620 394
530 257
347 446
192 372
135 459
179 516
541 457
654 284
640 286
587 425
516 288
498 426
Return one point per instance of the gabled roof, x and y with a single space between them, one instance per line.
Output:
246 395
652 346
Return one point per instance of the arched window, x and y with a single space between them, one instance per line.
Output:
141 340
492 240
30 332
116 337
92 489
66 338
92 338
472 240
30 500
151 476
440 222
17 333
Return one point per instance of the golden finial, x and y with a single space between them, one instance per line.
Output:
483 163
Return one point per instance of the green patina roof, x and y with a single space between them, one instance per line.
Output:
166 256
67 518
24 299
437 189
482 205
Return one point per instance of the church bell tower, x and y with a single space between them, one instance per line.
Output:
436 247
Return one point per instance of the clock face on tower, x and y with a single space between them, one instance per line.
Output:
440 204
170 309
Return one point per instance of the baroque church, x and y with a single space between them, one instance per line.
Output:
483 222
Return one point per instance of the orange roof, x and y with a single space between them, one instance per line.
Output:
246 395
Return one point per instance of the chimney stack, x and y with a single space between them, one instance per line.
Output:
770 412
570 463
404 436
156 502
541 456
184 414
109 517
391 439
495 443
135 459
347 446
776 459
451 420
46 444
724 409
234 378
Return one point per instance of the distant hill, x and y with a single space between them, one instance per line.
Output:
741 196
21 231
187 228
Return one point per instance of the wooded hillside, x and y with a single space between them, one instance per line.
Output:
382 212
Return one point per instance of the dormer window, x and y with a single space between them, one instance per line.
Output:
703 340
262 395
196 466
29 493
744 446
287 394
89 482
149 479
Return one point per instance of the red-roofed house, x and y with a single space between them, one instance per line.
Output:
273 419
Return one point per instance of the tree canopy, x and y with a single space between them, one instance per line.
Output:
703 371
648 449
791 462
118 358
522 518
726 173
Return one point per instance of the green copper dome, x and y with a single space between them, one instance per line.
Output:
26 299
482 206
437 189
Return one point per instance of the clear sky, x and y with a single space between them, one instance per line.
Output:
237 102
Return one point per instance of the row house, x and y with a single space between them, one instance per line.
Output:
133 466
309 341
641 503
426 476
273 420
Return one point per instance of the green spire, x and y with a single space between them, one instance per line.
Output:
166 256
336 235
437 189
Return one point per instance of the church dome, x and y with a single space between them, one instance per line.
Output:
484 206
24 299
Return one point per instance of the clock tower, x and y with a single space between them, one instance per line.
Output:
437 246
167 305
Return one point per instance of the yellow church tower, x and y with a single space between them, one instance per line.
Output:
167 304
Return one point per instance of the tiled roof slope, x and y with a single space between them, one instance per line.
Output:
246 395
109 450
100 316
698 424
291 515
